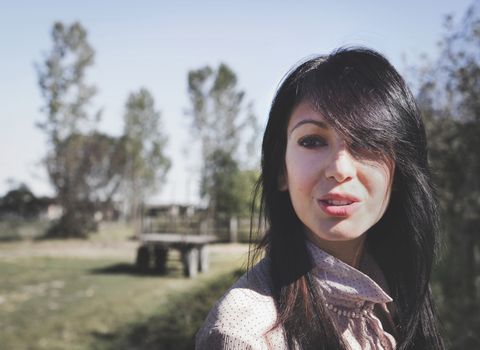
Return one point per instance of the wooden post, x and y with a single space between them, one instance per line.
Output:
233 229
161 254
190 261
203 262
138 219
203 227
143 258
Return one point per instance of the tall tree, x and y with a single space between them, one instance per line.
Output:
222 121
62 83
450 100
83 165
147 163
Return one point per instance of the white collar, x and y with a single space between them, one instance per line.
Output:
340 281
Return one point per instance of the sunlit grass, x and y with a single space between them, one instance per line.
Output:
54 296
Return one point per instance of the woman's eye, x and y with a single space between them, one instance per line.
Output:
311 142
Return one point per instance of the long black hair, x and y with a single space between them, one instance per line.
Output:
362 96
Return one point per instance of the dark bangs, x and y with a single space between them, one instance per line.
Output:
362 99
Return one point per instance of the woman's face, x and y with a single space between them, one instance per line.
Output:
336 196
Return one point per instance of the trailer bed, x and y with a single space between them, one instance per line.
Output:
193 249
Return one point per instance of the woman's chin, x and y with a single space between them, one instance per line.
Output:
336 233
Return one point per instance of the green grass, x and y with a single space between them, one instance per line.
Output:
15 229
95 302
175 325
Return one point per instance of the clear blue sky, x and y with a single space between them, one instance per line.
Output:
155 43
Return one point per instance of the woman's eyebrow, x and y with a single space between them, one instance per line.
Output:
318 123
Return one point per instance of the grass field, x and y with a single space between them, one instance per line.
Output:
88 295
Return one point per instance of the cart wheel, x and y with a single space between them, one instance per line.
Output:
203 261
143 258
161 254
190 262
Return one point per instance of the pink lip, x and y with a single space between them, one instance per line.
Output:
338 210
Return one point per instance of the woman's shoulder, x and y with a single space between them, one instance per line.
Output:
256 282
244 314
249 294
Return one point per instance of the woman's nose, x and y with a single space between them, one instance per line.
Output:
341 166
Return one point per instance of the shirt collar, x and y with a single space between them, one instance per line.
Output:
342 281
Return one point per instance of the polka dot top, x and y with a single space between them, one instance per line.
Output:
357 300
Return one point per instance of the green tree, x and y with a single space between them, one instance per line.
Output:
147 164
87 171
449 97
226 128
20 201
84 166
232 186
62 83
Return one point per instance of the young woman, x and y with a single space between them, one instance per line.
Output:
352 218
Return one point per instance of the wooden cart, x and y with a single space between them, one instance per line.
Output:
154 247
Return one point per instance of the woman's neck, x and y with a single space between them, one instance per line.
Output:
350 252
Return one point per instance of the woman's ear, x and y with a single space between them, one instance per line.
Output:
282 184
